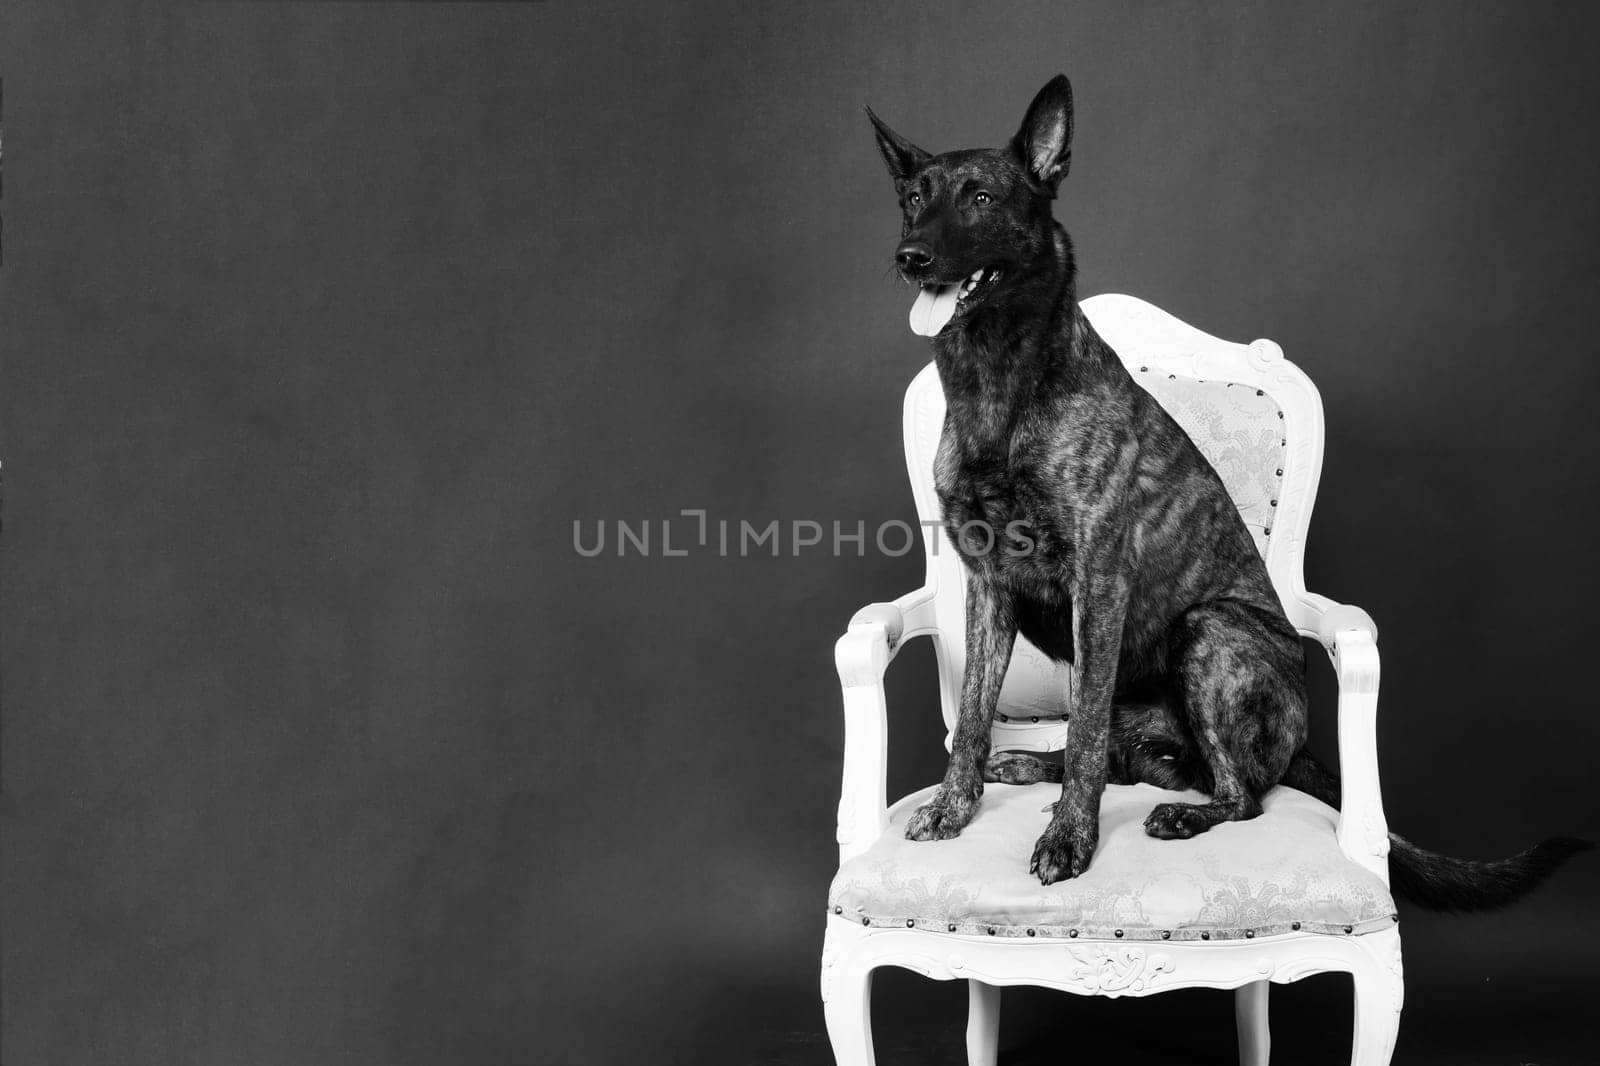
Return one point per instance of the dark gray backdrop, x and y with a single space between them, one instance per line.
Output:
322 323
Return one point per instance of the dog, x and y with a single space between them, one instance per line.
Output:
1141 573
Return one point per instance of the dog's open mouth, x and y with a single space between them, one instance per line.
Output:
937 304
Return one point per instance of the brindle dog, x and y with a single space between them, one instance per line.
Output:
1142 573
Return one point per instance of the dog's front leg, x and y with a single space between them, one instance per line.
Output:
991 633
1099 609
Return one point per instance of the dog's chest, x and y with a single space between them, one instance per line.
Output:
999 511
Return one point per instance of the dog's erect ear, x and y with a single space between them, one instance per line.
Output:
901 156
1045 140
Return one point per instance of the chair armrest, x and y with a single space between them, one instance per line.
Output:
875 634
1351 638
1329 618
1363 829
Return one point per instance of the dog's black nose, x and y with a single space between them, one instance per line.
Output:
913 255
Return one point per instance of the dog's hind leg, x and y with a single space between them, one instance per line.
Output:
1147 745
1240 673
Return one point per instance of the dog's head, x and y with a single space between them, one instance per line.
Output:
976 218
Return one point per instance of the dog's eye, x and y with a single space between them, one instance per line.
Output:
982 198
915 199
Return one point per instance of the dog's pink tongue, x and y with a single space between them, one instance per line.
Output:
936 305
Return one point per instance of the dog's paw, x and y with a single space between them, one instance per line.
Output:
1015 768
1175 821
1060 854
942 817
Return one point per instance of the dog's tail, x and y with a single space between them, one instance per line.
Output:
1440 882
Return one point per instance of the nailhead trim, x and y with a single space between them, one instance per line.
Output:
1120 934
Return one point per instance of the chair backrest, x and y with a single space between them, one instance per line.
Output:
1252 413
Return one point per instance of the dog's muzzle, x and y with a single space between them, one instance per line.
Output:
936 305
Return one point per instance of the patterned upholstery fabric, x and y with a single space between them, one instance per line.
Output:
1279 872
1239 429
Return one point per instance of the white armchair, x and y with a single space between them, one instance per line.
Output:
1301 889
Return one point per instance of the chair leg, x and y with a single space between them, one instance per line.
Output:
983 1023
848 1013
1378 999
1250 1014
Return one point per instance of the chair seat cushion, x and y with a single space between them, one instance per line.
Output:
1280 872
